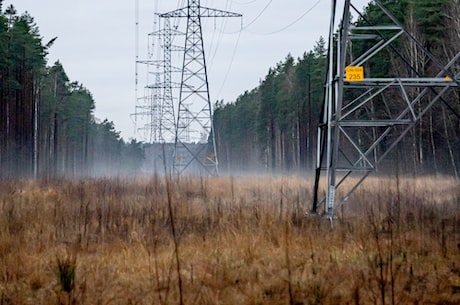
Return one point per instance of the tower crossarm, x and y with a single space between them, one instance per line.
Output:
163 32
410 82
204 12
179 13
211 12
150 62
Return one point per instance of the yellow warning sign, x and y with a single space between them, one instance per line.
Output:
354 73
447 79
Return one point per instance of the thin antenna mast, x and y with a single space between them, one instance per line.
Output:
136 54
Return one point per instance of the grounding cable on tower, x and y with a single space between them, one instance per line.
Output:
194 145
364 115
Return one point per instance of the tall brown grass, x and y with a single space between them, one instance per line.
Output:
227 241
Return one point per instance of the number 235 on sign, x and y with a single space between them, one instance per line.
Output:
354 73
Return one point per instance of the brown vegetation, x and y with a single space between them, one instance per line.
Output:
235 241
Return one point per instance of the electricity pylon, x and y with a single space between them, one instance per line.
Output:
148 106
364 115
166 121
196 155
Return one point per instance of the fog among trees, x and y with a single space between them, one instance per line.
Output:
48 128
47 124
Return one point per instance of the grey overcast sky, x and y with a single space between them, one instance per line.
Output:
96 44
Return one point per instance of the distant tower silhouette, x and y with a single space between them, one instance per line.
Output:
195 147
154 112
166 122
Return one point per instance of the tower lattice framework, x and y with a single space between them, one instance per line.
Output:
364 115
195 147
166 117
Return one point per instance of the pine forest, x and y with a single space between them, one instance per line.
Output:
47 126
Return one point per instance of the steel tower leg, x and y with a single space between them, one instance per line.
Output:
365 116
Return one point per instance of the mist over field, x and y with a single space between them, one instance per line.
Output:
274 200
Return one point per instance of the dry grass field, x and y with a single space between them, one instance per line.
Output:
227 241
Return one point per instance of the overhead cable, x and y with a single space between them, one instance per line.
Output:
230 65
244 3
290 24
258 16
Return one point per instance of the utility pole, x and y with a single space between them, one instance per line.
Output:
197 155
365 116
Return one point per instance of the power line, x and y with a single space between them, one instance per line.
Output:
245 27
229 66
258 16
244 3
215 44
290 24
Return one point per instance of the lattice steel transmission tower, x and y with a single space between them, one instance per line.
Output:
166 120
365 115
195 147
156 106
148 107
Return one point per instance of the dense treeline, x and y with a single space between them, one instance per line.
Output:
47 126
274 124
273 127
